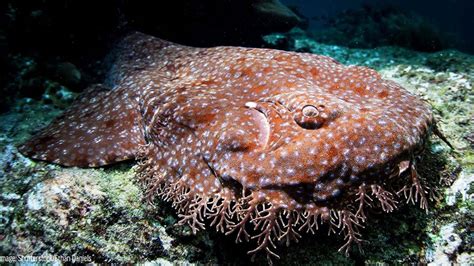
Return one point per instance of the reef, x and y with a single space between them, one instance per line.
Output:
41 203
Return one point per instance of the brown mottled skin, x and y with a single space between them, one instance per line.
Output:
248 137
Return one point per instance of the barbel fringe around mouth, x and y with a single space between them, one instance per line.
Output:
232 212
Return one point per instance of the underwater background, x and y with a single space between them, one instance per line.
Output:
51 51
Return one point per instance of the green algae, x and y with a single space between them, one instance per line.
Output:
71 214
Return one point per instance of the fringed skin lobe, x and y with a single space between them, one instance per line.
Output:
252 218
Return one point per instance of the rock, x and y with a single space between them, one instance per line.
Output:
68 74
274 15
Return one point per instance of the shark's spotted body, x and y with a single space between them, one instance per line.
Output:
275 140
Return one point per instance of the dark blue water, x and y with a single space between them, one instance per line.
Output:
453 18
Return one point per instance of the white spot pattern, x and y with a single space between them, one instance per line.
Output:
216 115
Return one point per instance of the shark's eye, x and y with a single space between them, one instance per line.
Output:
310 117
310 111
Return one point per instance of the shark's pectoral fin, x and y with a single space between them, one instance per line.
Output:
102 127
